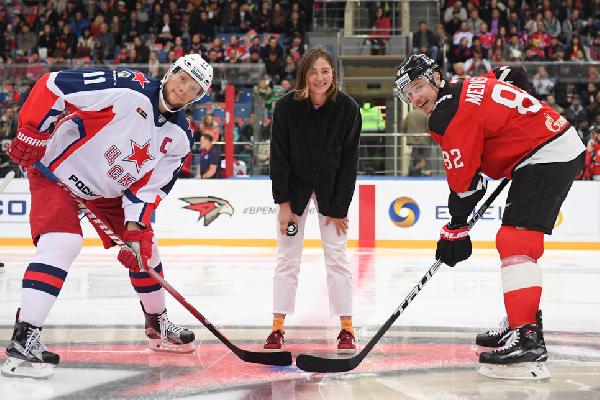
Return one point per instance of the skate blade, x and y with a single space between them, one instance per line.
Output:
17 368
532 371
168 347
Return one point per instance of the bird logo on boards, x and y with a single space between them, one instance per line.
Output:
404 212
209 207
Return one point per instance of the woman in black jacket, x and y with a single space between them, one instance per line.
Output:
314 155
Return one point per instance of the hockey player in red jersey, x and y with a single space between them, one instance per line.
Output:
119 147
486 125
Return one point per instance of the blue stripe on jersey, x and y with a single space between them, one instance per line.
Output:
131 197
50 114
184 124
152 216
77 120
167 188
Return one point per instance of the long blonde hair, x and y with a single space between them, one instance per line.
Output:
306 64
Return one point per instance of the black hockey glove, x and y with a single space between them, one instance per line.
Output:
454 245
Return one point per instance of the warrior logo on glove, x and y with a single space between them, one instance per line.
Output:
28 147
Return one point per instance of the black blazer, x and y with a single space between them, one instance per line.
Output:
315 151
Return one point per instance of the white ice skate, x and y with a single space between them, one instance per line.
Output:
27 356
166 336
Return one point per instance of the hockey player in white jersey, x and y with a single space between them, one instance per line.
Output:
119 147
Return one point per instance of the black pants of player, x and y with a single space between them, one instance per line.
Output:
537 193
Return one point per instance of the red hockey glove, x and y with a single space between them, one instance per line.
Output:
141 244
28 147
454 245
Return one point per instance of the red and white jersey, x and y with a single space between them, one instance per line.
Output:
113 141
489 126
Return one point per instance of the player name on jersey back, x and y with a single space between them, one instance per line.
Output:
475 90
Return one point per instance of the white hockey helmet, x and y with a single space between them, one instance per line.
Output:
197 68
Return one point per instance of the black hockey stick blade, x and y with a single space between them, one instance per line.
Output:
280 358
319 364
310 363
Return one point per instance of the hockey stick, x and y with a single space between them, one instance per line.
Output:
318 364
6 180
275 358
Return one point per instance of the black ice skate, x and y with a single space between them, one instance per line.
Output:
166 336
497 337
27 356
522 356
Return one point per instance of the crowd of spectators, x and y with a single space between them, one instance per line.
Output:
111 31
41 35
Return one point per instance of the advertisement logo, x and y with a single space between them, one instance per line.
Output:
404 212
208 207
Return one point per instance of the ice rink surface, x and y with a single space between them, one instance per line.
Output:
96 326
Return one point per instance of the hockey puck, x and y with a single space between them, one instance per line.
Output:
1 267
292 229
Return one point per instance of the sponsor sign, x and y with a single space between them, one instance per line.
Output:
241 209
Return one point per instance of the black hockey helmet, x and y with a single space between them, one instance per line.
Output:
416 66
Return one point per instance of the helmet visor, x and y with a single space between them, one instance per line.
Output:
189 85
407 89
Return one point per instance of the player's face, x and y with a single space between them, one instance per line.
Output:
320 77
181 89
421 94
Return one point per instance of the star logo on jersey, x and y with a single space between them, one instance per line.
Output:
208 207
139 154
140 78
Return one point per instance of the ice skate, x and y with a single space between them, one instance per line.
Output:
522 357
27 356
497 337
166 336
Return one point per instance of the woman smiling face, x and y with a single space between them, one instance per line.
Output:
319 78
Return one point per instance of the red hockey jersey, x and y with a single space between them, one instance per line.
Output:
489 126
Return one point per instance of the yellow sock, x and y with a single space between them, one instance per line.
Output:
347 325
278 323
